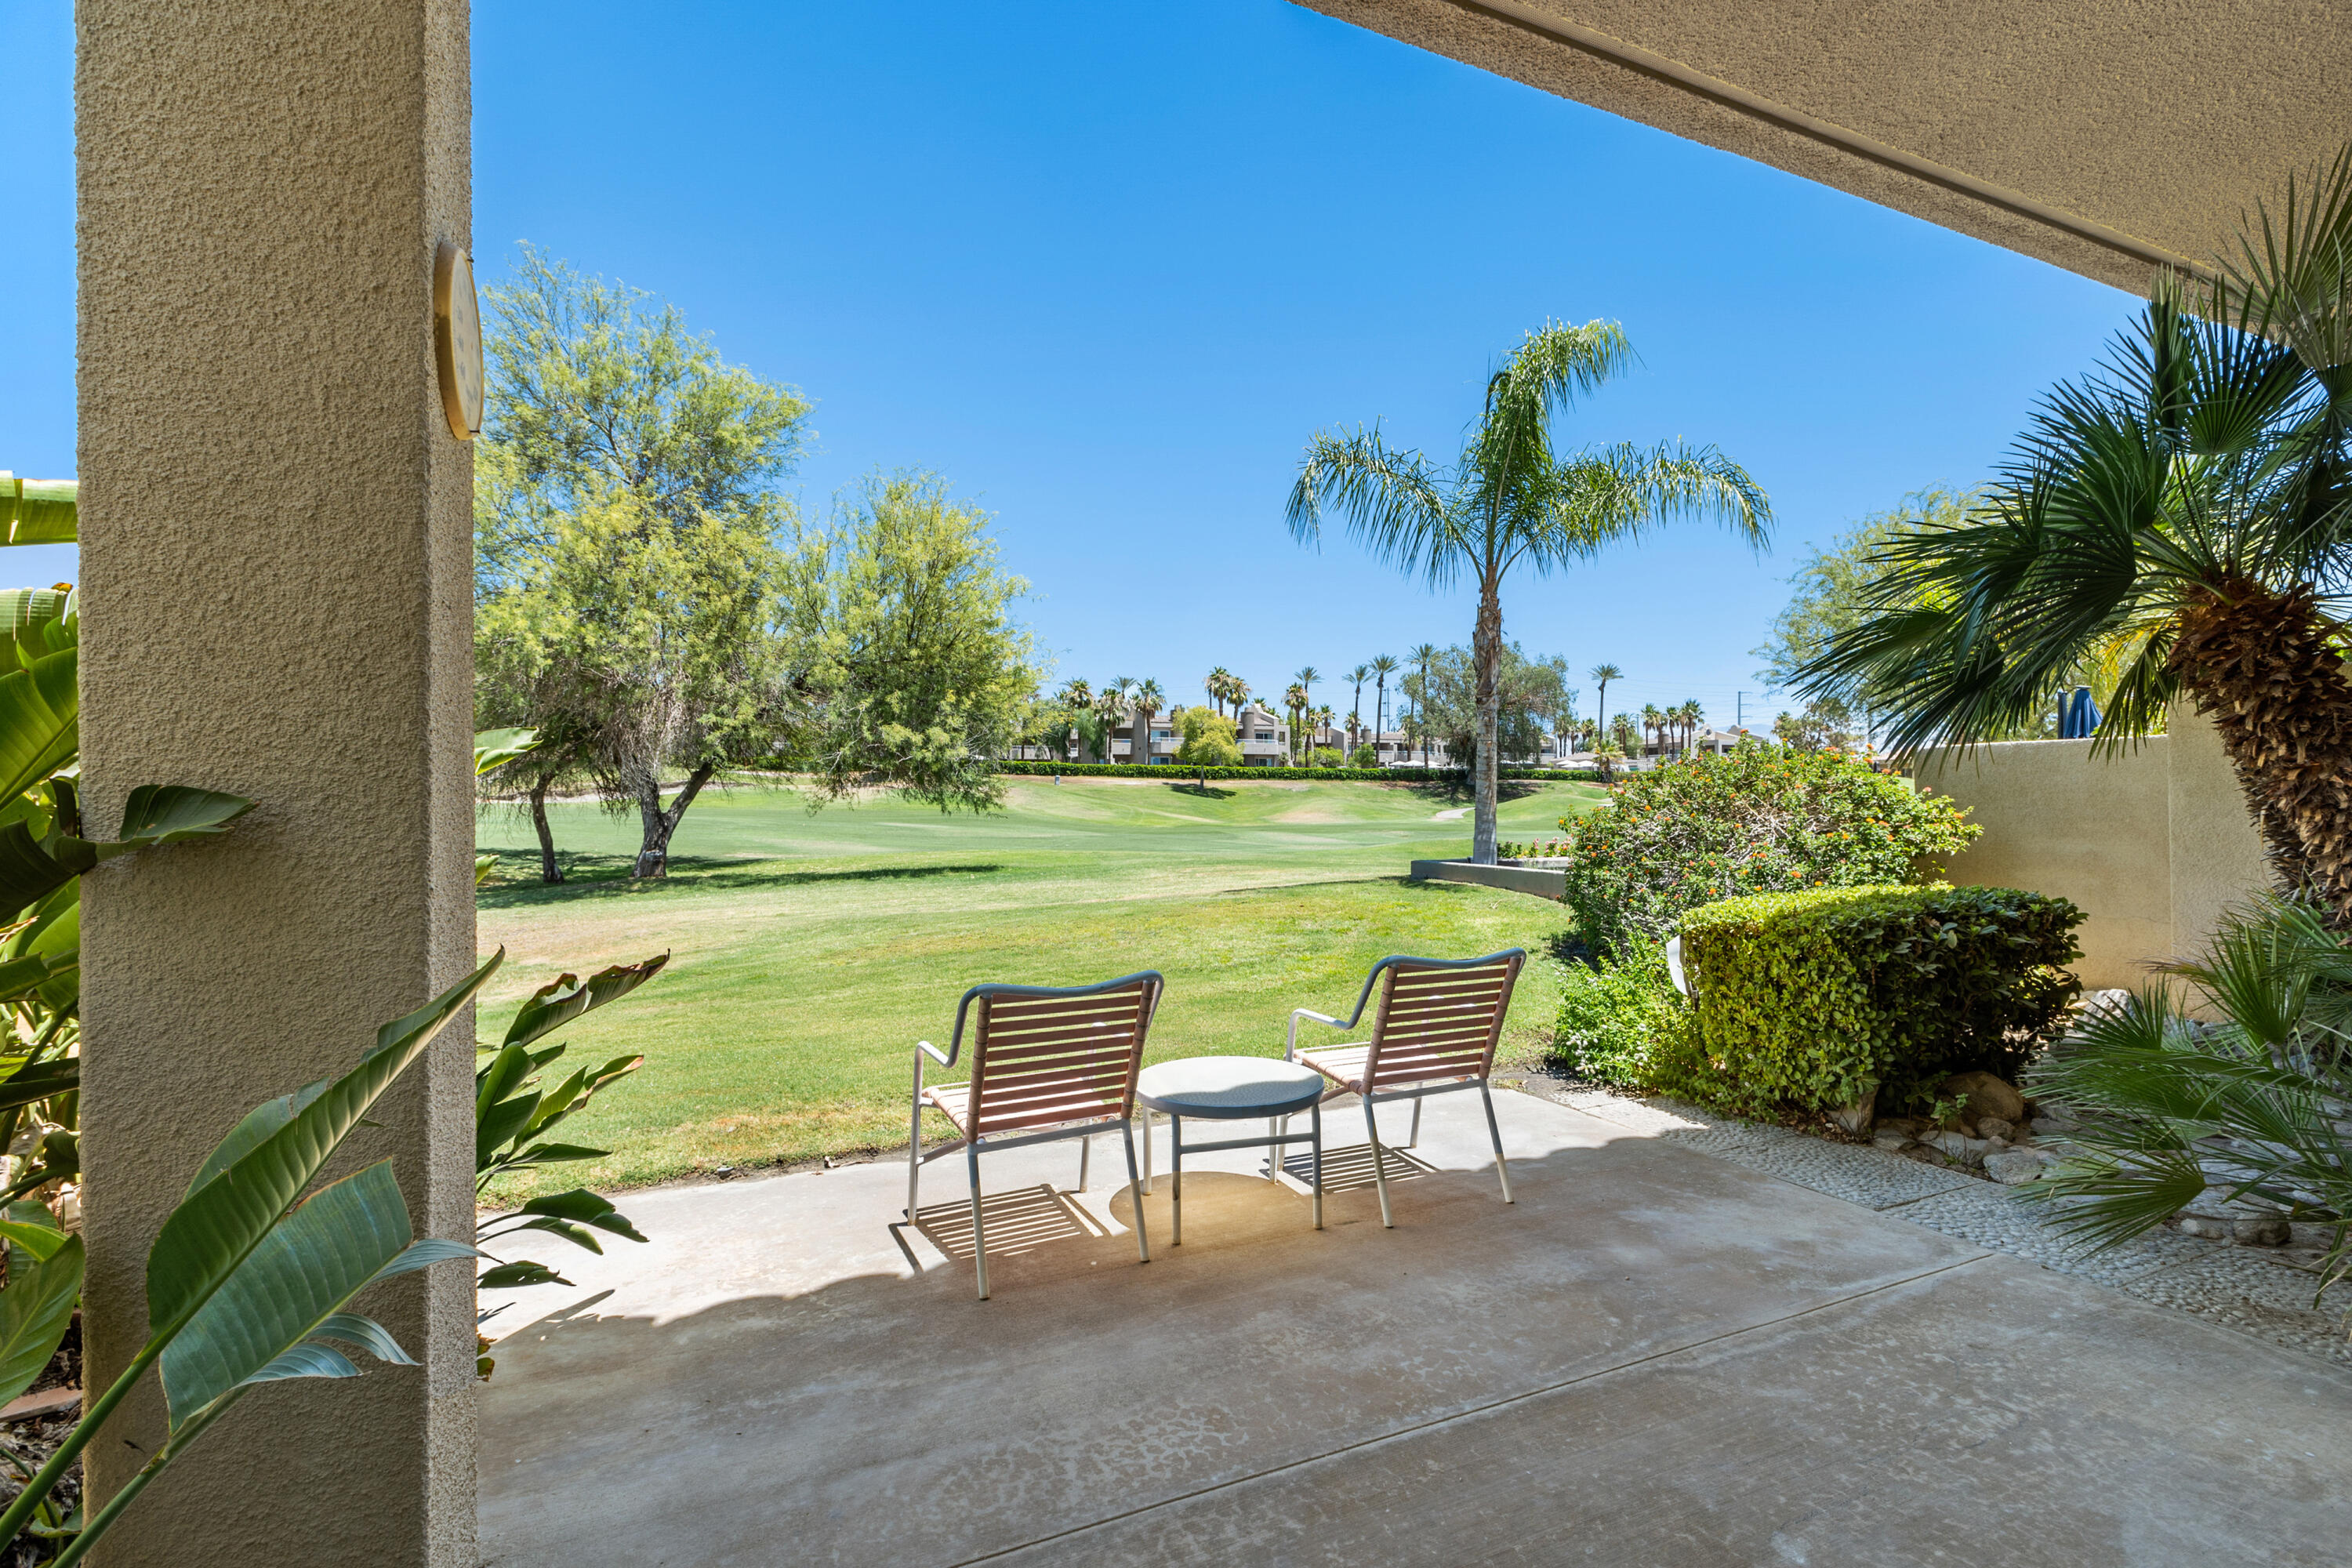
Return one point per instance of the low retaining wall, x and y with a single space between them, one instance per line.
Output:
2153 844
1532 878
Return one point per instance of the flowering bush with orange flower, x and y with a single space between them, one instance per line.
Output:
1755 819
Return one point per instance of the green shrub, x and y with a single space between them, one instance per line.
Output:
1363 757
1757 820
1622 1022
1806 1000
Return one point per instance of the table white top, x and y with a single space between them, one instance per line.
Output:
1227 1085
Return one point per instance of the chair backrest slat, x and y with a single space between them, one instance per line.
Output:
1440 1020
1046 1058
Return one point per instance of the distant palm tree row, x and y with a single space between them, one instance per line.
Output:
1135 703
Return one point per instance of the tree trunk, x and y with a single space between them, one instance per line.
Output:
548 871
1486 651
2264 669
653 858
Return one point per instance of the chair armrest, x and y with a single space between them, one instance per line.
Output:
1290 1052
936 1054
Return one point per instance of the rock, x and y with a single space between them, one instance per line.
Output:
2013 1167
1994 1127
1958 1148
2211 1229
1925 1155
1909 1126
1988 1096
1854 1119
2049 1126
2260 1232
1890 1140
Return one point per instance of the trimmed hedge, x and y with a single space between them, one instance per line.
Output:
1181 771
1810 999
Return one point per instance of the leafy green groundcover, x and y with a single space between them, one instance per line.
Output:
1179 771
1809 1000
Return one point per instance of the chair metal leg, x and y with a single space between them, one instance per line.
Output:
1085 1153
1379 1164
1315 1126
914 1159
1147 1152
979 1231
1176 1180
1412 1140
1135 1191
1495 1131
1277 1157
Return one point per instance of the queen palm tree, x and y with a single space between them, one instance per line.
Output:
1295 702
1511 500
2177 524
1692 716
1621 735
1320 721
1382 665
1653 720
1602 675
1148 700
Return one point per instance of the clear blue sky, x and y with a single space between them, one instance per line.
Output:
1108 268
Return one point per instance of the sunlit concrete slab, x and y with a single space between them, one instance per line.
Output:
1652 1357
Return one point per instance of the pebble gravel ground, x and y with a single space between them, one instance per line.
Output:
2263 1291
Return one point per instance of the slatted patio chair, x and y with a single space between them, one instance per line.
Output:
1434 1032
1046 1063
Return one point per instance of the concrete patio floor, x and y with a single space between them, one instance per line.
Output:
1654 1357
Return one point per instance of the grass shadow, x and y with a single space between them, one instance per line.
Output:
607 876
1200 790
1457 791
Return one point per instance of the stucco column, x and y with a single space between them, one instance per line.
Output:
277 578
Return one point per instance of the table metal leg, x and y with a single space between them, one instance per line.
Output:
1316 1148
1176 1180
1085 1153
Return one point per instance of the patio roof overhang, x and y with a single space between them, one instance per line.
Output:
2108 138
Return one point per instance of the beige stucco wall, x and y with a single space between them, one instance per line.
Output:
2101 137
2152 843
276 571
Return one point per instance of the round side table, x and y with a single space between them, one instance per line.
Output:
1232 1089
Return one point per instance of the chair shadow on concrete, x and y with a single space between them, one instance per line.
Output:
1021 1220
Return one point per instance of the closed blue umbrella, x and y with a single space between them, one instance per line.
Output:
2079 716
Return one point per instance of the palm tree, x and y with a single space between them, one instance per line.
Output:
1321 720
1215 684
1692 716
1111 707
1360 674
1238 691
1383 666
1148 700
1654 719
1510 499
1079 697
2178 524
1621 735
1424 656
1295 700
1602 675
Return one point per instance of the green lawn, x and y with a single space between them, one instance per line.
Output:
813 949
